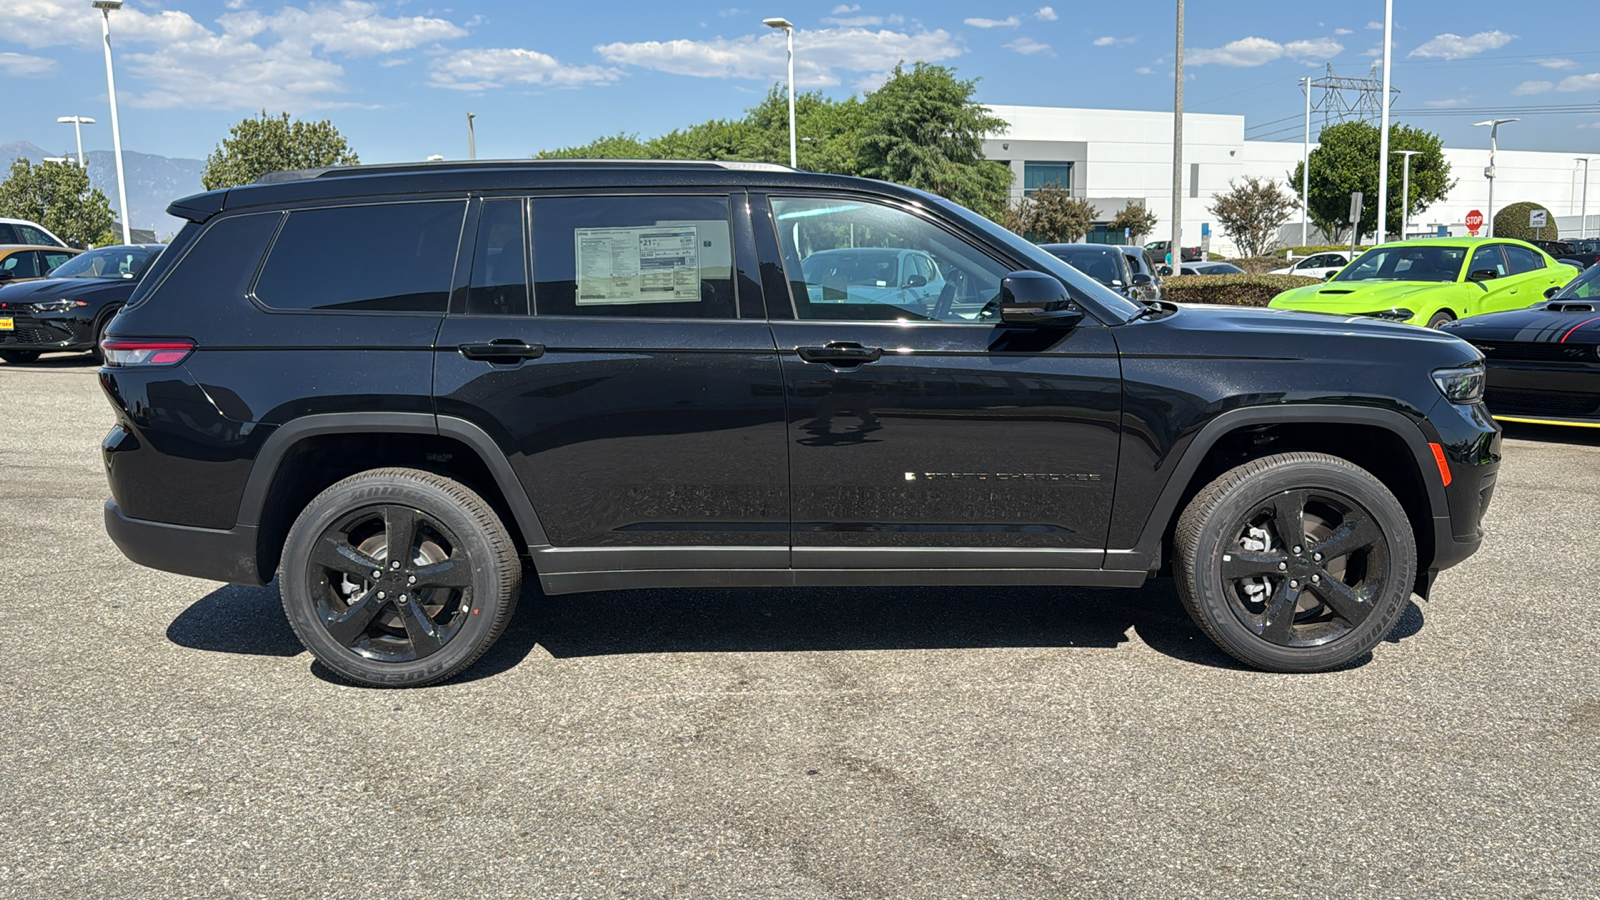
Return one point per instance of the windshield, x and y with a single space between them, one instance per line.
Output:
1406 264
1584 287
107 262
1101 265
859 267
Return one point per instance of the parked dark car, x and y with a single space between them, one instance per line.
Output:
1104 263
1570 253
1140 262
1161 249
619 372
69 310
1543 361
25 262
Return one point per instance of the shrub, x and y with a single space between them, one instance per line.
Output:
1230 290
1512 222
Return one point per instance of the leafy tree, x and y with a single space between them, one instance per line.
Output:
255 147
1053 216
828 132
1512 222
923 130
59 197
1135 219
1346 160
616 146
1252 212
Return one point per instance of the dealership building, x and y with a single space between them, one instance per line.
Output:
1112 156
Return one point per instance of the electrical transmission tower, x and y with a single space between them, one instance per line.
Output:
1345 99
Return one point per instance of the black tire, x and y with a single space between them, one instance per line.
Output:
100 335
19 357
385 622
1306 534
1441 317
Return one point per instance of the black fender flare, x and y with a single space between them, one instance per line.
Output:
1146 553
285 436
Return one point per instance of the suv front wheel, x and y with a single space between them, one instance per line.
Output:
1299 562
398 577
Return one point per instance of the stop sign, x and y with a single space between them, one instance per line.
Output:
1474 221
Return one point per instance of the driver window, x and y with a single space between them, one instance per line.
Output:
1488 257
842 256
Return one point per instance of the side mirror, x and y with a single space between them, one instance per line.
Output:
1328 276
7 275
1551 291
916 281
1140 279
1164 271
1036 300
1483 275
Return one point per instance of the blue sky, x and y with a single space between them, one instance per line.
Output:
398 76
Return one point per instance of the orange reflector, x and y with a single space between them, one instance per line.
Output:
1444 467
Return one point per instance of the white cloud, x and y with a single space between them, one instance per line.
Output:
1007 22
1146 70
1454 46
487 68
1588 82
1028 46
1313 48
1555 62
1342 31
22 66
731 11
1531 87
1109 41
1374 26
1250 51
1045 14
841 9
1448 104
853 21
827 52
351 27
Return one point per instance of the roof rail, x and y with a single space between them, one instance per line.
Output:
462 165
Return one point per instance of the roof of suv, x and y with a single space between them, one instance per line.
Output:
336 182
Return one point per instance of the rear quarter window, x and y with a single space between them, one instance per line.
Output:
392 257
218 265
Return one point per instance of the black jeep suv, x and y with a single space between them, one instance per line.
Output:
387 384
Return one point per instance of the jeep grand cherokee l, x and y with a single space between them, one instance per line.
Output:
385 384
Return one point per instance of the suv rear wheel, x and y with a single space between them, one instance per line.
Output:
398 577
1298 562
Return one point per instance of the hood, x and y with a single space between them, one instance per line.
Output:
64 289
1300 323
1568 322
1367 295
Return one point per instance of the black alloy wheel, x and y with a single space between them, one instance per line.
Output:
398 577
1298 562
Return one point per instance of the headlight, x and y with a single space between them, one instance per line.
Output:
1460 385
56 306
1392 315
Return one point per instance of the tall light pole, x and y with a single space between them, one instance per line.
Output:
77 125
1405 192
788 30
1494 131
1305 172
1583 215
1383 136
105 7
1177 151
472 141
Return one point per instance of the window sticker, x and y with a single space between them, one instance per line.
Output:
658 264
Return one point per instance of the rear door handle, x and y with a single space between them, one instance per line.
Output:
840 353
502 350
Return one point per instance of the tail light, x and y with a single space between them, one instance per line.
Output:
125 352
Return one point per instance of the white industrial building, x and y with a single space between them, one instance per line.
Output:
1111 156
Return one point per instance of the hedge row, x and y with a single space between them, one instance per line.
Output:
1232 290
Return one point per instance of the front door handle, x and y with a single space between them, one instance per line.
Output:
840 353
502 350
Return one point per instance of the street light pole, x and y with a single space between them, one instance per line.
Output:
1305 172
788 30
1383 136
1583 215
77 125
105 7
1494 131
472 141
1405 192
1177 151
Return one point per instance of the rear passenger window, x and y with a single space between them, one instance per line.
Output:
221 262
32 235
633 256
395 257
1522 259
499 266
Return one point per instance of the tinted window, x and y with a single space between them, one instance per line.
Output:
51 260
633 256
23 264
220 264
1405 263
1584 287
32 235
393 256
1522 259
1488 257
840 256
499 263
8 234
107 262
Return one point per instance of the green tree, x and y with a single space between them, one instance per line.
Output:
1346 160
1135 219
255 147
59 197
1252 212
616 146
923 130
1053 216
828 132
1512 222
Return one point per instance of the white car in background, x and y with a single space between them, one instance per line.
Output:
1317 265
21 231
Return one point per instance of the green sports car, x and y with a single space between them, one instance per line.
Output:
1434 281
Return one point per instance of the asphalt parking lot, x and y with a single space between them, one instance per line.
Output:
164 736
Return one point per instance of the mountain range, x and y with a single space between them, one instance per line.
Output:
153 181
